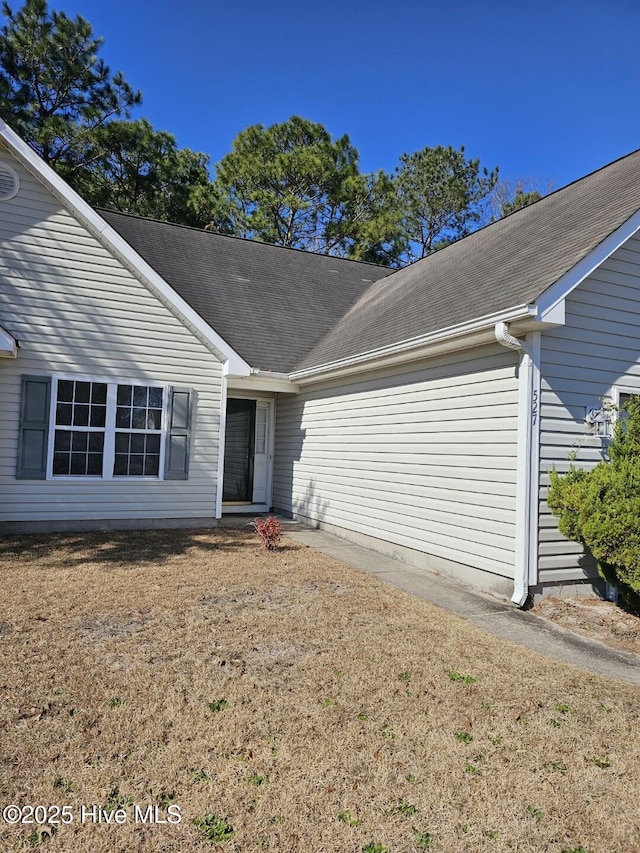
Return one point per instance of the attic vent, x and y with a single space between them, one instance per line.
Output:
9 184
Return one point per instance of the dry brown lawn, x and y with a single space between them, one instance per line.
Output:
304 704
613 624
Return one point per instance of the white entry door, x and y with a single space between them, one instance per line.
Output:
261 453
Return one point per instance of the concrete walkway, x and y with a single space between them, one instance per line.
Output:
494 615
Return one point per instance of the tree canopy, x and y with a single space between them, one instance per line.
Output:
54 89
440 195
511 194
520 200
291 183
60 96
131 167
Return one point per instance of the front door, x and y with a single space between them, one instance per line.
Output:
238 451
246 452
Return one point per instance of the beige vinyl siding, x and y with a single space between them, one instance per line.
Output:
422 456
598 347
76 309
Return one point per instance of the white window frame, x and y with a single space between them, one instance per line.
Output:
616 391
109 429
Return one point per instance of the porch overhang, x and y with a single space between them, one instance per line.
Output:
262 380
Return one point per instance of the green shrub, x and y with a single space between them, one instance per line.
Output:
601 508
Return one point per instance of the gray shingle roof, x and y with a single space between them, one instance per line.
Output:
283 309
271 304
507 264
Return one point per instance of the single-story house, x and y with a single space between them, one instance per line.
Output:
158 375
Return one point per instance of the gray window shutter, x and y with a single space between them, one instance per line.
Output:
33 438
176 465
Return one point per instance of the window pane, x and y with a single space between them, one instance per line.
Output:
136 465
123 418
62 440
81 415
153 444
137 443
96 442
83 392
124 395
79 441
151 465
139 420
139 395
65 391
99 393
154 419
120 465
61 463
98 414
94 463
64 413
155 398
122 442
78 463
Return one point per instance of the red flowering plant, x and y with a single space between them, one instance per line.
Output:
269 530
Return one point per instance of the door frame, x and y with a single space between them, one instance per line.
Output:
230 508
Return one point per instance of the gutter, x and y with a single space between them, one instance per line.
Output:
407 350
525 457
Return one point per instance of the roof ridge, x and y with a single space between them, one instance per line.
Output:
570 184
489 269
528 207
103 210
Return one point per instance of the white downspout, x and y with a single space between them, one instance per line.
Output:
523 471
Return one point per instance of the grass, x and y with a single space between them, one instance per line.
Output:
118 648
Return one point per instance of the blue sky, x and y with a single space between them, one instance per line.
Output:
547 90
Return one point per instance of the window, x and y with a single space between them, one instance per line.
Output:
138 431
261 429
620 396
623 399
80 417
87 414
103 429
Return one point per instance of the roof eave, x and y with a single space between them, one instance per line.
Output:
263 380
472 333
547 311
114 243
555 295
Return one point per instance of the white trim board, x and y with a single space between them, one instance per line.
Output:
534 340
559 291
221 444
239 509
263 381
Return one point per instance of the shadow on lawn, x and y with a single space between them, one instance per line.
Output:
122 547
